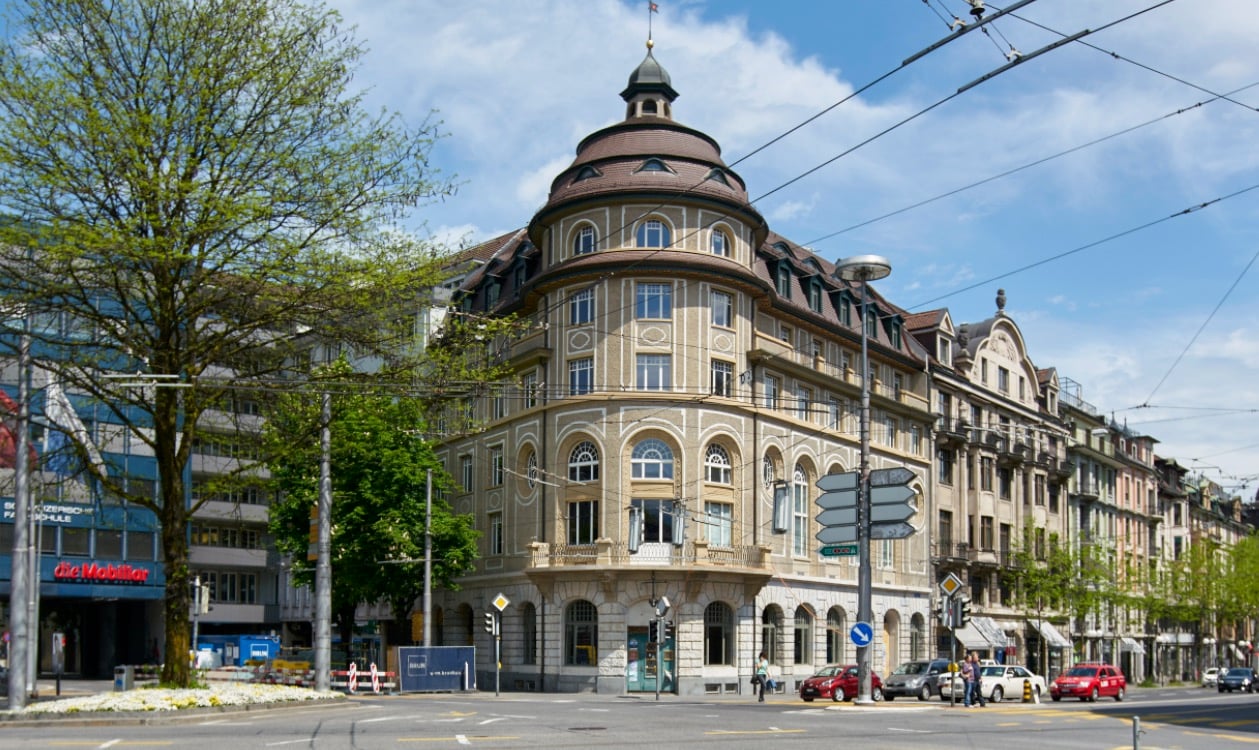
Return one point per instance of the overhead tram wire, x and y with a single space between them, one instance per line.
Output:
1087 246
1029 165
1202 327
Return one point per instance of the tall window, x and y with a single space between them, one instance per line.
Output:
653 301
946 527
583 522
815 297
658 520
835 629
718 634
655 372
783 280
723 378
1005 482
581 374
585 241
833 412
717 464
803 636
799 512
465 471
804 402
718 525
985 474
652 459
985 533
496 533
720 244
581 307
529 389
771 625
722 304
771 389
581 633
944 465
653 233
1003 380
583 463
496 466
529 633
891 431
887 554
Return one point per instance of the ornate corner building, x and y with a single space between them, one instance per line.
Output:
690 376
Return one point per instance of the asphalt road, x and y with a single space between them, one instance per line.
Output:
1183 719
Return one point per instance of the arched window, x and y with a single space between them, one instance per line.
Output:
652 459
917 637
585 241
718 634
799 512
767 471
720 244
803 636
583 463
529 634
717 464
653 233
531 469
836 627
581 633
771 626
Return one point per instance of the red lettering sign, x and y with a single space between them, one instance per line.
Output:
96 572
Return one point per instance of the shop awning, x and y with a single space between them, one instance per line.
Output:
981 633
1131 644
1050 634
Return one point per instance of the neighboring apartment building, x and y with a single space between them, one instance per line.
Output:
997 479
694 369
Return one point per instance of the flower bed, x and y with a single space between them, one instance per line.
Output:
163 699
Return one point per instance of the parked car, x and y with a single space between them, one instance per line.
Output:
1210 677
839 683
915 678
944 685
1001 682
1088 682
1236 678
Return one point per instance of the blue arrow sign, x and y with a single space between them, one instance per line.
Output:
839 517
889 495
836 534
890 477
861 634
845 481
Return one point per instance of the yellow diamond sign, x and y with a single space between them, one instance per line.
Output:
500 602
951 585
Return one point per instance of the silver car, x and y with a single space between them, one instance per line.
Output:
919 679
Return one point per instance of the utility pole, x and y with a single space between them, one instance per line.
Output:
323 562
20 640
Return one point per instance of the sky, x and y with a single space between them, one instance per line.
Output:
1109 185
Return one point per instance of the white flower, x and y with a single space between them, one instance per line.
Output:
162 699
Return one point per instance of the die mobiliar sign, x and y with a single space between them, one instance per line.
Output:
108 573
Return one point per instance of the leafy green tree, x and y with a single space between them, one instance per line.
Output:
187 182
1041 580
380 462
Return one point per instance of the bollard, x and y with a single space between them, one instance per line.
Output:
1027 691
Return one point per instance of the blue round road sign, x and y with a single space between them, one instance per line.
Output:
861 634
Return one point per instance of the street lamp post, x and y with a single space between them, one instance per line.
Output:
864 268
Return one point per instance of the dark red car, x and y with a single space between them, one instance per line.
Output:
839 683
1088 682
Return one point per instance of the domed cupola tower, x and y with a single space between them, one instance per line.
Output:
649 93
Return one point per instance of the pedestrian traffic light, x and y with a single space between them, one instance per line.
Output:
668 631
946 614
489 622
963 613
653 631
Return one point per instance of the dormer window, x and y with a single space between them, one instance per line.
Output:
718 175
871 315
783 281
587 173
944 351
894 332
653 233
654 165
815 295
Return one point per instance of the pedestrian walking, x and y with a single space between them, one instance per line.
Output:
975 692
761 675
968 680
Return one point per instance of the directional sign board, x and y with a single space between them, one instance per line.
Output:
861 634
887 495
831 482
889 477
889 513
891 530
841 517
849 549
836 534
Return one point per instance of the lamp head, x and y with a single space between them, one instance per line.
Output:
863 268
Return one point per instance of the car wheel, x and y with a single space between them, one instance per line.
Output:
838 695
889 698
877 694
997 694
1221 688
925 693
1119 696
807 700
1056 698
1093 695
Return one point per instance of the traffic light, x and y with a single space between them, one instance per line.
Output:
961 617
653 632
668 631
946 614
489 622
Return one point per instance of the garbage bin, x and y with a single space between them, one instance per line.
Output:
124 678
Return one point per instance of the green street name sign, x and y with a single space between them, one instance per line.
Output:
838 550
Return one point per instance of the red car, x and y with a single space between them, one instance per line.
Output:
1088 682
839 683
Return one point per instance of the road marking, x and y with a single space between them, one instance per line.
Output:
380 718
457 738
111 743
462 740
491 721
286 742
771 730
